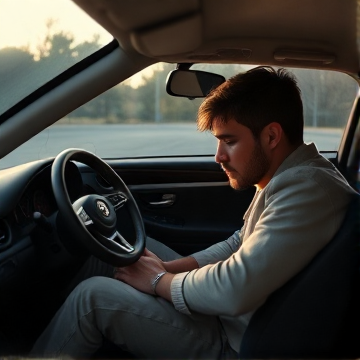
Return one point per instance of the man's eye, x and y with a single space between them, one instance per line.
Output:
229 142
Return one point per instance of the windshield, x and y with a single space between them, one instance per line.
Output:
35 49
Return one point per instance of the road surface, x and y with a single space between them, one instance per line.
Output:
118 141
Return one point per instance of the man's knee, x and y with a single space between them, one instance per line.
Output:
103 293
90 293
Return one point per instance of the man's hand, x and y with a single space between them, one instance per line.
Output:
142 273
150 254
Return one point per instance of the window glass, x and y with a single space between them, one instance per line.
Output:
38 41
138 118
328 98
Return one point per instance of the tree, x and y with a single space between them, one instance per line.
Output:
15 66
58 50
322 107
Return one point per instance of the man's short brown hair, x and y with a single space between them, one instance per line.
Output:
255 99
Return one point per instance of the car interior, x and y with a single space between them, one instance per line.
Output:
178 196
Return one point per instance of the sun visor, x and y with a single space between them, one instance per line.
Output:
176 38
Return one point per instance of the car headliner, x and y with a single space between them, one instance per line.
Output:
319 34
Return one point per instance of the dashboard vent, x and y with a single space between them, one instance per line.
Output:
5 238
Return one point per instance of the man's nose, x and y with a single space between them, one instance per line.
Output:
220 156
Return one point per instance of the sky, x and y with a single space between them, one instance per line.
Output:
22 22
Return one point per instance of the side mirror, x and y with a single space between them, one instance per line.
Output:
192 83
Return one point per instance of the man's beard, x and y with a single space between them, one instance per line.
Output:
255 170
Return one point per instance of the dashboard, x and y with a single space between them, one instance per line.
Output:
25 191
39 197
35 265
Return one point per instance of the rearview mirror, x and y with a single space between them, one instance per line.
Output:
192 83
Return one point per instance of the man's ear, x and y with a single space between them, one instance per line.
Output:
272 134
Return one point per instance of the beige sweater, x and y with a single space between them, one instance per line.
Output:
285 226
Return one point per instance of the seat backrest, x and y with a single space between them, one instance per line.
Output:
316 313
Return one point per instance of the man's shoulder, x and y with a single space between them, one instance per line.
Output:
305 161
312 171
314 179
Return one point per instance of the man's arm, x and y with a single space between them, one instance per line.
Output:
219 251
181 265
187 263
141 274
302 212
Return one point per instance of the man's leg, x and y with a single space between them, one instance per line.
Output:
144 325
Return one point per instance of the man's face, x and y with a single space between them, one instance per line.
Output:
240 155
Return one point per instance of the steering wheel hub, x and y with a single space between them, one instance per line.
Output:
96 212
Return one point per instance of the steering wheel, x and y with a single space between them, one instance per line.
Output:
92 218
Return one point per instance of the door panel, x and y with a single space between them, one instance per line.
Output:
186 203
200 215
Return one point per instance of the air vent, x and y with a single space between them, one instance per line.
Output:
5 238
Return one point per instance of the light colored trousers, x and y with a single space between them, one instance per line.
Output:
141 324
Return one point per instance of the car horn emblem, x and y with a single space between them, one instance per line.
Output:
103 208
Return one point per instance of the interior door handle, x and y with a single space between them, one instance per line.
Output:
166 200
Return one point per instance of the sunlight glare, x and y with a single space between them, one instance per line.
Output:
23 23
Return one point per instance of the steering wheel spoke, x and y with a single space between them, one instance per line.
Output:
118 200
116 241
84 217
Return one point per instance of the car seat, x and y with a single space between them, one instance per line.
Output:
315 314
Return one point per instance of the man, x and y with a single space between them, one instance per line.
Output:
199 306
